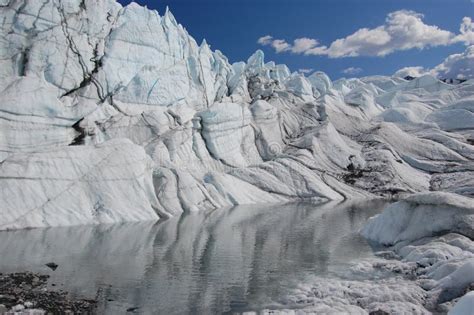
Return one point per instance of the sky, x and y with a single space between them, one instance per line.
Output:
344 38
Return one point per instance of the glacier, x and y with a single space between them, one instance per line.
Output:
113 114
83 73
431 233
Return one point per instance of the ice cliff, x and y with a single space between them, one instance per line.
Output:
78 78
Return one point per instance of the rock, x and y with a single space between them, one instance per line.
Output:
37 295
17 308
52 266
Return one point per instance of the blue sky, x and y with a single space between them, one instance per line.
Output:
234 26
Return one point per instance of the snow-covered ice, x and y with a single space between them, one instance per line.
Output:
465 305
107 183
422 215
83 73
433 234
112 113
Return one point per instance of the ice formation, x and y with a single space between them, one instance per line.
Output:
432 234
111 114
422 215
428 267
83 73
107 179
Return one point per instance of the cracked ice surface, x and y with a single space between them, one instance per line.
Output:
86 72
99 184
111 114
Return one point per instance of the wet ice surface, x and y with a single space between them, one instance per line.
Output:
240 259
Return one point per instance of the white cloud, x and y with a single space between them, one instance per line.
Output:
305 70
402 30
352 70
280 45
411 71
457 66
466 32
265 40
300 45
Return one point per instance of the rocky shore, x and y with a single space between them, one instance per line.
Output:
29 293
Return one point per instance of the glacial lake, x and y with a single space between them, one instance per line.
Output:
223 261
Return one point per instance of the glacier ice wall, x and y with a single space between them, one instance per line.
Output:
78 75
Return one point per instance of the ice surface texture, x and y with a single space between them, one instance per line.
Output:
433 233
77 76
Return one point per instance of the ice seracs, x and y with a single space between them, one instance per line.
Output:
112 114
203 121
84 73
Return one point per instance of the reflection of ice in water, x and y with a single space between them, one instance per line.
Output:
237 259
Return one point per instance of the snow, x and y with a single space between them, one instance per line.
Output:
111 114
320 82
88 73
432 235
457 116
422 215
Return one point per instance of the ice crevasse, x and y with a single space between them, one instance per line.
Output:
120 109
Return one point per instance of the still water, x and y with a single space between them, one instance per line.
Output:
234 260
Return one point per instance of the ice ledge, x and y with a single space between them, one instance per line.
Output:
107 183
422 215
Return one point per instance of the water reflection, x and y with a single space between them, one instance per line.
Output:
221 261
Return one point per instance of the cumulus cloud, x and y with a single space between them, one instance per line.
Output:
265 40
402 30
305 70
456 66
300 45
411 71
466 32
352 70
280 45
